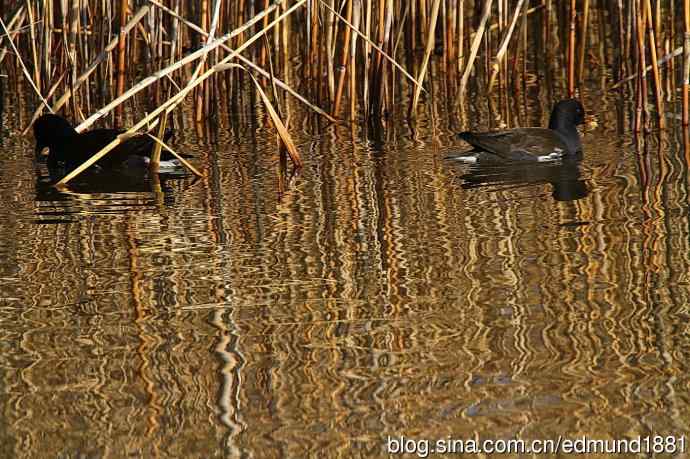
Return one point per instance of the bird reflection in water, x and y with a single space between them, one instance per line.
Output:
104 192
564 176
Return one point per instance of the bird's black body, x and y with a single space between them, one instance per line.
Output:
560 139
69 149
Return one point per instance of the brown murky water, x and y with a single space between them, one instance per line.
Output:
382 293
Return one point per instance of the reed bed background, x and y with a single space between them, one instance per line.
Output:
347 60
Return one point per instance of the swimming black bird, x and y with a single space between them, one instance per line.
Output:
559 140
69 149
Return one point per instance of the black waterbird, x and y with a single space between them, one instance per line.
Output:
69 149
559 140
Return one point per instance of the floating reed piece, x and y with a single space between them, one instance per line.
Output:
345 60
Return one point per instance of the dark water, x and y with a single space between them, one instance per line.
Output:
381 291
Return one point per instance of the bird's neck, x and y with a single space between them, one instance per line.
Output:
568 132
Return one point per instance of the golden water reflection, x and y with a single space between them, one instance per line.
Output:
375 296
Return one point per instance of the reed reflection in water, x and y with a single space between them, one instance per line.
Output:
377 295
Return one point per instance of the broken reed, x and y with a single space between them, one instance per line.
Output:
344 59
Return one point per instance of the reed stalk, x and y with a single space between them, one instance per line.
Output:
385 92
357 7
450 40
571 48
342 68
330 24
280 127
503 47
661 62
202 92
367 51
174 153
374 103
474 48
641 112
272 77
670 41
686 63
121 52
658 91
583 42
427 53
622 66
155 162
34 53
309 15
461 35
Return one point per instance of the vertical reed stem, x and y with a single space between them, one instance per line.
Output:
461 38
583 44
120 56
686 64
367 51
571 49
156 155
427 54
330 22
357 8
641 18
486 12
34 53
503 47
655 66
342 69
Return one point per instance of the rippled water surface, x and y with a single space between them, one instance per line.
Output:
380 291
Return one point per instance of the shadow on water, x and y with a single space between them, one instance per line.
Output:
564 177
